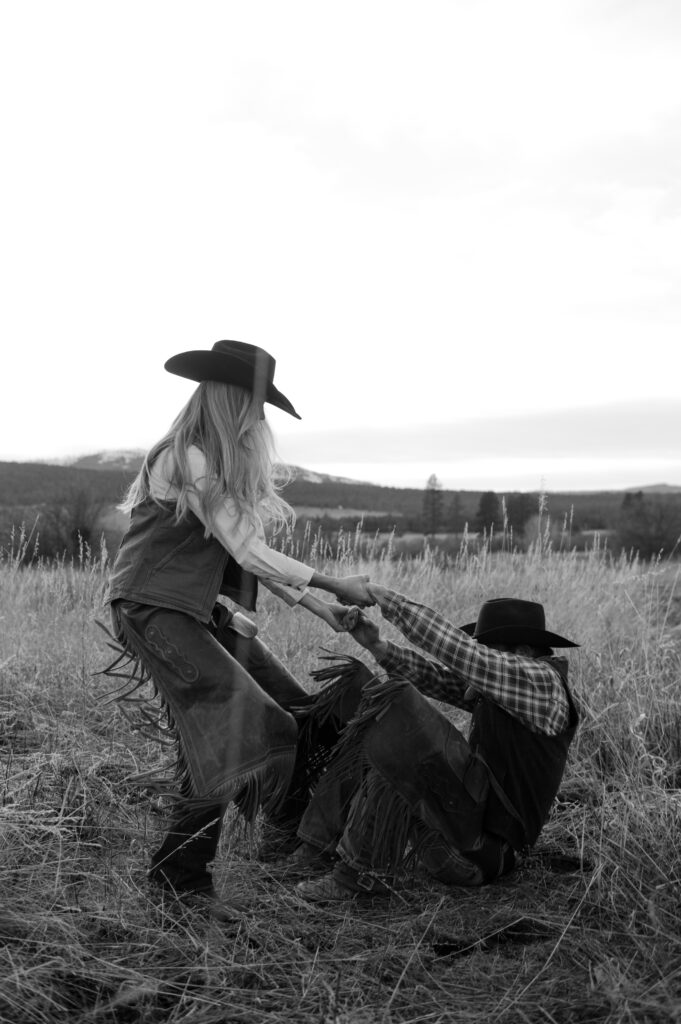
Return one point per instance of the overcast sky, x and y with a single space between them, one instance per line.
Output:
456 225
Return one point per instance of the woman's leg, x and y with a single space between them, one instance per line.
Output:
190 845
281 833
232 737
280 823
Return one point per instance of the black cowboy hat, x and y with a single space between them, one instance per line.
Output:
508 620
233 362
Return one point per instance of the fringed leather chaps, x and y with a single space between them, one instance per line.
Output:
404 784
210 702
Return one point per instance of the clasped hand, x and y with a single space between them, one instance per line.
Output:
361 627
335 615
354 590
349 620
357 592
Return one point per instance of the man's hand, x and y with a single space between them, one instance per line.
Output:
354 590
348 589
364 631
361 627
335 614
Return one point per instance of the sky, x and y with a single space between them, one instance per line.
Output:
456 225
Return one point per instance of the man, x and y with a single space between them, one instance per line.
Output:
465 809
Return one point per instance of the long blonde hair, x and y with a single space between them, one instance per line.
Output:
224 422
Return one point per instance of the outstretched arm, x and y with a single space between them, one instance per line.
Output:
429 676
244 538
528 688
331 612
348 589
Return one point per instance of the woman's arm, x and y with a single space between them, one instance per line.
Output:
348 589
332 613
246 543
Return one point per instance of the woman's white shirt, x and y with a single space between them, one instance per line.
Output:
243 539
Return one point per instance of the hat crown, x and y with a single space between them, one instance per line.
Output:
510 613
260 362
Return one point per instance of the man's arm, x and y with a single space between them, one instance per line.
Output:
529 689
429 676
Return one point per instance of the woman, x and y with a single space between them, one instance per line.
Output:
198 508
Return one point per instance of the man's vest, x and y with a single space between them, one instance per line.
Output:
527 765
172 565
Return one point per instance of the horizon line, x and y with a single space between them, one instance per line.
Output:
659 485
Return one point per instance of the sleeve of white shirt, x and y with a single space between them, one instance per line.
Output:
243 539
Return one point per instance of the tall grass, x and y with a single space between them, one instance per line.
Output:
588 929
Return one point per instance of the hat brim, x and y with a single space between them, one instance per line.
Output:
201 365
518 635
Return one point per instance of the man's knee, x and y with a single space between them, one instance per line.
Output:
407 732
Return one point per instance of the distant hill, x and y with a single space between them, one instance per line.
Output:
656 489
40 483
125 461
105 476
25 484
130 461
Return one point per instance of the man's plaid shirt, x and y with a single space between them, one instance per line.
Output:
528 689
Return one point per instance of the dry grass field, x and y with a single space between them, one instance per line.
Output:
587 930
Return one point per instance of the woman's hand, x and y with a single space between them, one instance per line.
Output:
365 632
336 615
353 590
348 589
331 612
362 628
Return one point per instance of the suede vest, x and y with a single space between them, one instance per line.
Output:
172 565
528 766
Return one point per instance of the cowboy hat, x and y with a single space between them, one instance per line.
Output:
508 620
233 362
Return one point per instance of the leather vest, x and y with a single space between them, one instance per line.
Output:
528 766
172 565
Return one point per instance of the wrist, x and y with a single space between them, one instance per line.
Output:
321 582
310 602
377 592
378 649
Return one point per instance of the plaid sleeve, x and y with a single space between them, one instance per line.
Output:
529 689
428 675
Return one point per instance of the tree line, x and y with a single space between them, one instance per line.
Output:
648 524
65 508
